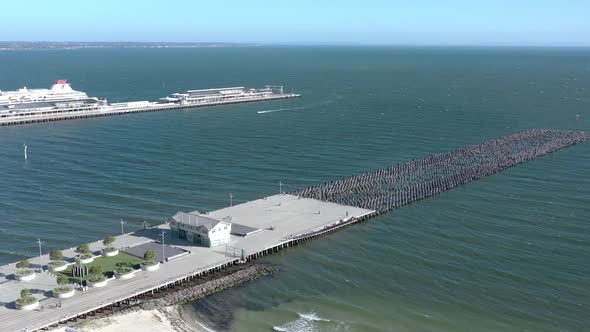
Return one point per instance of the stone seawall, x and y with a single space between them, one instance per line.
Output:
217 284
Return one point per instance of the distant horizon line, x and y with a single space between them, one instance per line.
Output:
250 44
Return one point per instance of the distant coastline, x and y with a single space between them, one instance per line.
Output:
23 45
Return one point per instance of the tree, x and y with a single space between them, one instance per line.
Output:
84 248
25 292
108 240
149 255
23 264
56 255
96 269
63 280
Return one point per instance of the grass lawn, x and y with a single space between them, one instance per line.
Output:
108 264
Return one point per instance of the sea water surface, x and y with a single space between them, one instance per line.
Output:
508 253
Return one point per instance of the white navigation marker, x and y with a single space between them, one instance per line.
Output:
25 147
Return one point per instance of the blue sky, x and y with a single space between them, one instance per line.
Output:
413 22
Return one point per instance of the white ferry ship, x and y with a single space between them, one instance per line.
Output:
59 98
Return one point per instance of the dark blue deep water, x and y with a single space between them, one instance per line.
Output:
508 253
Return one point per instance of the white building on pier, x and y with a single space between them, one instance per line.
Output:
200 229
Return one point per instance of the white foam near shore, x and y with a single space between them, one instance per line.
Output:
312 316
305 323
203 327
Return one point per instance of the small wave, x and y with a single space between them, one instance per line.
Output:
305 323
312 316
204 327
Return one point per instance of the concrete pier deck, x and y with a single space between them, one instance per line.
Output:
282 218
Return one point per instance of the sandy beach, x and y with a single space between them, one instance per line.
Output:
141 320
167 319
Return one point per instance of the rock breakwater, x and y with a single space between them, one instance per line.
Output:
200 290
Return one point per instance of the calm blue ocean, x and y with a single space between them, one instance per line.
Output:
508 253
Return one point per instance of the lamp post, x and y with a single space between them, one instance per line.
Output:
122 233
231 199
80 270
163 247
40 254
280 187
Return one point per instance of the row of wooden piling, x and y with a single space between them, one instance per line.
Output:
389 188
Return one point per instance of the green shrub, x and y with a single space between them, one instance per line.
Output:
86 256
23 272
97 278
124 270
23 264
124 264
25 292
149 255
56 255
97 269
108 240
63 280
56 263
63 289
110 249
83 248
26 300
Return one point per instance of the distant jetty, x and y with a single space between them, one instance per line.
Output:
61 102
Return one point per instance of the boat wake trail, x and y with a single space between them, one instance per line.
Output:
313 105
280 110
272 111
